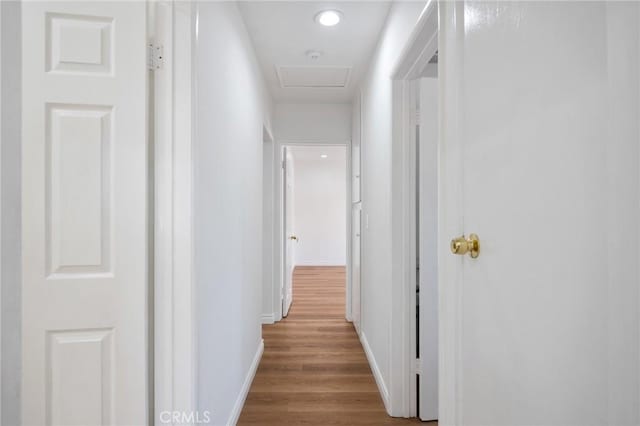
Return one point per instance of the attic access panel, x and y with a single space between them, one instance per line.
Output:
310 77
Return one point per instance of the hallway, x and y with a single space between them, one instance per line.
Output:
314 370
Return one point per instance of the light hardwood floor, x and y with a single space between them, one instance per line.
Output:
314 371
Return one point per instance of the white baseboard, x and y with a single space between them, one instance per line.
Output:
237 407
376 372
320 264
267 319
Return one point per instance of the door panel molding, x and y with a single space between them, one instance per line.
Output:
85 273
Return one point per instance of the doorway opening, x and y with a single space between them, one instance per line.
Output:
427 242
314 224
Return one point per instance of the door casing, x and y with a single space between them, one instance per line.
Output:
175 367
450 220
278 216
354 312
288 178
420 48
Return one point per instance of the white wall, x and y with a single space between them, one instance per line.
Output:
376 184
232 106
268 166
10 265
328 123
320 193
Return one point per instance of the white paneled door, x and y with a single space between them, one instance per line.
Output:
84 213
290 239
540 160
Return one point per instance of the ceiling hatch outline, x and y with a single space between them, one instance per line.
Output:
310 77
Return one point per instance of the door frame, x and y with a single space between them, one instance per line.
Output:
286 242
450 211
268 222
278 216
174 367
423 43
1 195
356 123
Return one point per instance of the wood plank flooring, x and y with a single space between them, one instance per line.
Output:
314 371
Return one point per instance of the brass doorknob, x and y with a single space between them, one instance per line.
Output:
293 237
462 246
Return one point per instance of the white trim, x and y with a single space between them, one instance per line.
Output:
246 386
286 287
450 212
422 45
174 320
402 330
377 375
278 239
348 288
1 193
267 319
360 204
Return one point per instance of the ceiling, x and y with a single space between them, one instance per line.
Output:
283 33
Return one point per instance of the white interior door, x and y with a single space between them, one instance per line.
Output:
541 161
84 213
289 234
428 249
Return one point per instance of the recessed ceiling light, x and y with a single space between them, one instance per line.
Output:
328 18
323 156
